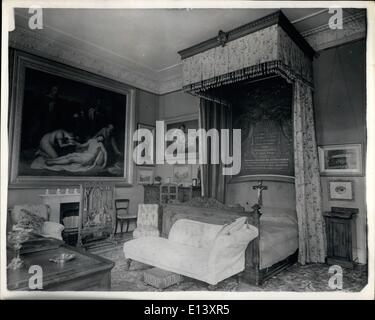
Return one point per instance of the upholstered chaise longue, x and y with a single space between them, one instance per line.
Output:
199 250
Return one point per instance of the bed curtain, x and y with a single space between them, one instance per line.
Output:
307 179
213 115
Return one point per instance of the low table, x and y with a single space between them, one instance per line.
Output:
86 272
160 278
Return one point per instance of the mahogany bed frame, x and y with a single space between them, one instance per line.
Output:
252 273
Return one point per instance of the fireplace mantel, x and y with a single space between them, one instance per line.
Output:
54 200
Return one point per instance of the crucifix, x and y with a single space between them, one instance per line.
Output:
260 187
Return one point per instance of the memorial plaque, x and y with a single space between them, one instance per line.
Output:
264 116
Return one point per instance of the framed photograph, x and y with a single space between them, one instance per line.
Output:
152 129
182 174
67 125
341 159
145 175
341 190
184 124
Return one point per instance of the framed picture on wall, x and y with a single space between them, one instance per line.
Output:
341 190
149 157
184 124
341 160
182 174
145 175
67 125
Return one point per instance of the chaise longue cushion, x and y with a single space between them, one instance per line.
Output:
196 249
167 255
194 233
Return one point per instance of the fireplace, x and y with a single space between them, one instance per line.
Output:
69 215
63 204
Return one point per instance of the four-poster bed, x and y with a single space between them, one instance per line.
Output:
266 50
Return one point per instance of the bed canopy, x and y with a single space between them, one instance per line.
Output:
265 48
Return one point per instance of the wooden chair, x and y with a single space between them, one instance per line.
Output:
122 214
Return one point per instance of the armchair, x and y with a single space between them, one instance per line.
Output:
147 221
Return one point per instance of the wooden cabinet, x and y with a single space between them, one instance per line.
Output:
152 193
340 230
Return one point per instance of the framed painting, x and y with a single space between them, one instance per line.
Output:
67 125
182 174
341 160
183 123
341 190
143 153
145 175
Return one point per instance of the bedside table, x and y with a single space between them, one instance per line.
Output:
340 230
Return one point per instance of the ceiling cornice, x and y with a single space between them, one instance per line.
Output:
323 37
80 54
348 19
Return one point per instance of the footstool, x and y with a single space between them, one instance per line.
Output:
160 278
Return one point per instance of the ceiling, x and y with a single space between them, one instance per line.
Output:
152 37
149 39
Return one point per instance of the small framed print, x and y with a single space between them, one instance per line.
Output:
341 190
145 175
341 160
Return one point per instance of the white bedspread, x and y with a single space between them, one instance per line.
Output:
278 239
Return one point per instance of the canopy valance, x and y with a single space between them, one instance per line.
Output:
267 46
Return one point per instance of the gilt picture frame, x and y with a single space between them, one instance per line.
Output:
341 160
67 125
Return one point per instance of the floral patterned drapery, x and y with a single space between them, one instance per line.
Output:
261 53
312 246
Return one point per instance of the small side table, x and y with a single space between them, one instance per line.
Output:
340 230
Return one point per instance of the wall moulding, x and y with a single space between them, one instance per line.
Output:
36 43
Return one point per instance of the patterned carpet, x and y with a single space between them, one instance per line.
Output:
297 278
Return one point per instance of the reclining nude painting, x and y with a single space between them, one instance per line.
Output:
68 128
